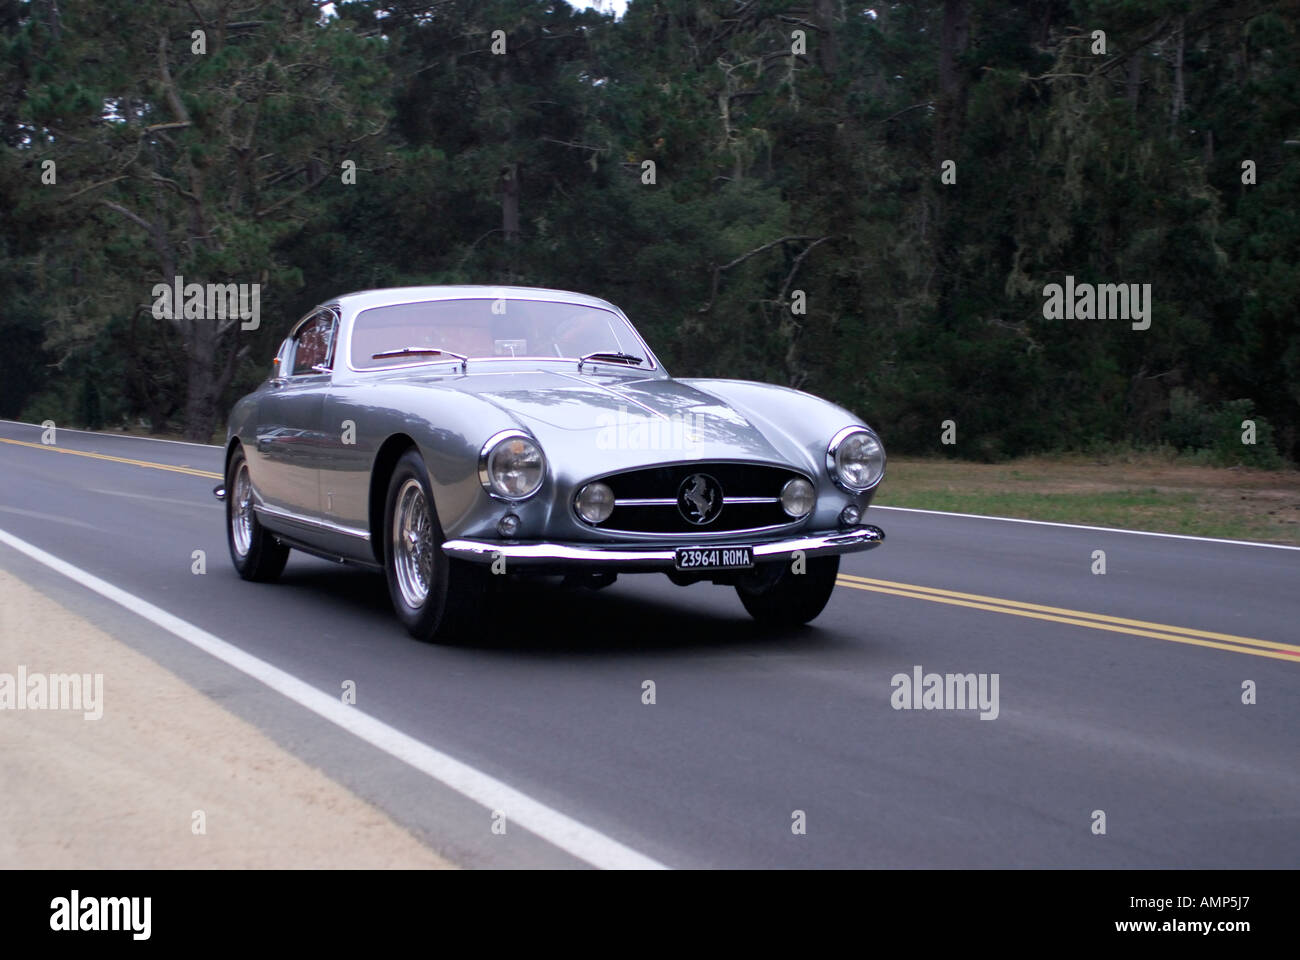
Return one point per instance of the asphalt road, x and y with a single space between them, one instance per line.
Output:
1144 721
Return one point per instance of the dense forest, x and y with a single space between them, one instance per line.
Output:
866 201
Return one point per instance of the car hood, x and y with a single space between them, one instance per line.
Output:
627 420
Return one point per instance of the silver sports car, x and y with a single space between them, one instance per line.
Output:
456 437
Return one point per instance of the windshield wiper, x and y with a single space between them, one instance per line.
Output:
421 351
613 356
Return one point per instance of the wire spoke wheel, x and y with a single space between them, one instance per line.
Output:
241 512
413 544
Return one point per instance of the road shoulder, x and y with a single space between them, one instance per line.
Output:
132 788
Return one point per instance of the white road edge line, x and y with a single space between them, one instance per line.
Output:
1079 526
940 513
119 436
564 832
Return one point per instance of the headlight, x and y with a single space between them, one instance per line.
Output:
856 459
595 502
511 466
797 497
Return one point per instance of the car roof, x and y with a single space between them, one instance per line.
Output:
363 299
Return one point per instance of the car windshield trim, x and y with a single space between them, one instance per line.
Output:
650 361
476 362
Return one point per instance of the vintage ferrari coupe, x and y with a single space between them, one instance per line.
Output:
450 435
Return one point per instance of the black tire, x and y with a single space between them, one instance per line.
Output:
255 552
791 599
452 602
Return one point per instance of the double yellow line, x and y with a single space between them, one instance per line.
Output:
1079 618
191 471
975 601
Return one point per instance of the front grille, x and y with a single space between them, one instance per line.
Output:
736 480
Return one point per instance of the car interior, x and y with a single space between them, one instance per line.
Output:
518 328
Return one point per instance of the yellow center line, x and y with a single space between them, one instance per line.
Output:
976 601
1080 618
1065 611
191 471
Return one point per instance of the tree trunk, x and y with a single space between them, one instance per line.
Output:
827 55
950 111
1177 109
953 39
202 391
1133 83
510 202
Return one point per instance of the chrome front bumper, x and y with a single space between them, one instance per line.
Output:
655 556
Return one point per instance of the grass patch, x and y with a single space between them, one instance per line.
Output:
1130 492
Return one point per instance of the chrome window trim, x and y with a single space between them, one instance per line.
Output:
352 323
292 340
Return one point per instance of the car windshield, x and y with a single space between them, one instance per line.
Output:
486 328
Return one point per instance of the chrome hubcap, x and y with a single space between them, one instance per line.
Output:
241 512
413 544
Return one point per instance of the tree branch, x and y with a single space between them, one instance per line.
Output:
876 123
94 186
129 214
259 214
169 88
717 271
797 262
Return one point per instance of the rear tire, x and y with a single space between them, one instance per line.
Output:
255 552
435 597
792 599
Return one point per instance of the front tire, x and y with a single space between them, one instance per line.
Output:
434 596
255 552
792 599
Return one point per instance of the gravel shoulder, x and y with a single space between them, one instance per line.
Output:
130 788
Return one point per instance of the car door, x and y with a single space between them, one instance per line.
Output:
353 435
289 429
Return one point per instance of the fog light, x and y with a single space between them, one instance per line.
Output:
595 502
850 515
508 525
797 497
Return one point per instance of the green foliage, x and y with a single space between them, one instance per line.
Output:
778 176
1214 433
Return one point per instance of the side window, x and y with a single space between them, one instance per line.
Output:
312 345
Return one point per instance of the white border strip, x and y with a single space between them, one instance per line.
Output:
119 436
552 826
1079 526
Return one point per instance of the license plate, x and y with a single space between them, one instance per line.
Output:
714 558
